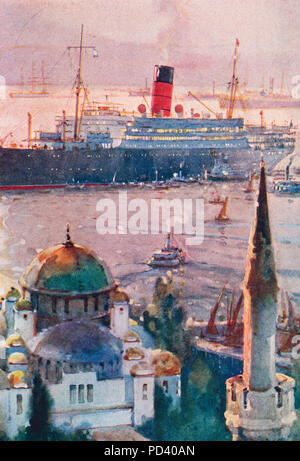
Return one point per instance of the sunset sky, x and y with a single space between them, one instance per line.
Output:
197 37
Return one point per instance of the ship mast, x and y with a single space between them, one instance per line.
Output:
234 82
79 81
78 87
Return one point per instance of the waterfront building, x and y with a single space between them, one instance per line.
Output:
72 326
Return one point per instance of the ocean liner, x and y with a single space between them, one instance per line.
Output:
102 142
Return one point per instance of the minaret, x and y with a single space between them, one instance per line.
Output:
260 402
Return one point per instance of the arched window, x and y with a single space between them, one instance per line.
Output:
47 369
81 393
279 396
54 304
85 304
67 306
245 393
90 395
72 394
19 404
166 386
145 391
178 387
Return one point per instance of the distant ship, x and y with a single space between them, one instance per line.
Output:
223 172
101 140
261 101
169 256
36 88
141 91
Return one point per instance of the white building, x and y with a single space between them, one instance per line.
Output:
91 370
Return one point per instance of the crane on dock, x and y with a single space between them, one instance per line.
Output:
206 107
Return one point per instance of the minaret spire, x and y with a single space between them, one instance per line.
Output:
68 242
260 298
260 402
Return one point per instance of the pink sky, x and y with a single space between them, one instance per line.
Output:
197 37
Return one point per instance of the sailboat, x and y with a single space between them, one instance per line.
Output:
222 216
250 188
38 85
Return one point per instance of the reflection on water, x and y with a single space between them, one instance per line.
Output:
32 221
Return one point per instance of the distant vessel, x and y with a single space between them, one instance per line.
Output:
225 337
99 140
223 172
287 187
169 256
38 85
261 101
141 91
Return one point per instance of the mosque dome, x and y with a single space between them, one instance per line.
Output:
18 378
4 382
120 296
69 269
141 369
165 363
78 341
131 337
17 358
13 293
134 353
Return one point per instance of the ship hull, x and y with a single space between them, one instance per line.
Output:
39 167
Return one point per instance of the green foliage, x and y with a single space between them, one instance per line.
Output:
164 320
200 414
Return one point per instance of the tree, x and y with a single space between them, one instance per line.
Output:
40 428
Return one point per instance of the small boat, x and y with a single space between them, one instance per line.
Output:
169 256
250 188
223 172
287 187
222 216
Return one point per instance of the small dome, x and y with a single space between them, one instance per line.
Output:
4 383
24 305
131 337
13 293
79 341
67 269
15 340
18 378
17 358
165 363
141 369
120 296
134 353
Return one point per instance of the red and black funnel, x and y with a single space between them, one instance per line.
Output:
162 90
